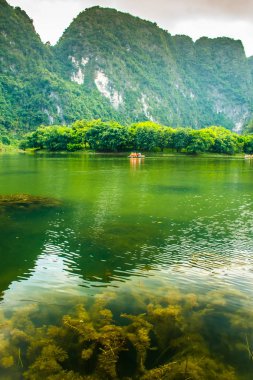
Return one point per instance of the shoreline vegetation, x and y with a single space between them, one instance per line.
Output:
97 136
106 137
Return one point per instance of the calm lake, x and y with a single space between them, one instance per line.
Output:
166 240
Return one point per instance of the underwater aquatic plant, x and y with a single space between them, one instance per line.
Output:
169 340
26 202
138 334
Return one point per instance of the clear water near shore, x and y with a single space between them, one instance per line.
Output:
168 240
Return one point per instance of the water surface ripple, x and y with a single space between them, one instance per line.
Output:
174 230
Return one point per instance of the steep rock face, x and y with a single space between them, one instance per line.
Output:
250 62
148 74
225 78
130 62
32 91
27 66
219 75
112 65
21 47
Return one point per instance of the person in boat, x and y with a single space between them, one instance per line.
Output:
135 155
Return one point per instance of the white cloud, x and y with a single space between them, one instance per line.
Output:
50 18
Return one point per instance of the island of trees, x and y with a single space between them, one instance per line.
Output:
110 136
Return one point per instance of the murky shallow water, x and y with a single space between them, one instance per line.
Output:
166 240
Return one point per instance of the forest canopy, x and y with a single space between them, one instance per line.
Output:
110 136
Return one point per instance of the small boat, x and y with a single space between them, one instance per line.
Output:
248 156
136 155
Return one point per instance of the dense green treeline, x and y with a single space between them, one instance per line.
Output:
7 140
111 136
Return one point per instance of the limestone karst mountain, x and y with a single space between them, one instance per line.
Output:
112 65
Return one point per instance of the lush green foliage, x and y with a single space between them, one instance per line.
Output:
7 140
169 340
168 79
145 136
31 90
148 74
249 127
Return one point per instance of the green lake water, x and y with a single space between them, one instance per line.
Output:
168 240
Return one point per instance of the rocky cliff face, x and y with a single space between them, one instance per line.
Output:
112 65
146 73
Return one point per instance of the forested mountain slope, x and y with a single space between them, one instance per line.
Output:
31 90
115 66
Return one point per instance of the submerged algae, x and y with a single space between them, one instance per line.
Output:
169 340
26 202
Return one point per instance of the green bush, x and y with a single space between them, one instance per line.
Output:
111 136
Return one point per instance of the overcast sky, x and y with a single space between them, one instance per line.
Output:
196 18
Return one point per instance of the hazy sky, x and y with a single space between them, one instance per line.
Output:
196 18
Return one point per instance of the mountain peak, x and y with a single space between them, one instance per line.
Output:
110 64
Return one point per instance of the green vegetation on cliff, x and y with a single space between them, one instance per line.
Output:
31 90
148 74
112 65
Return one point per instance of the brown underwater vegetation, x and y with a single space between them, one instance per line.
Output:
177 336
26 202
